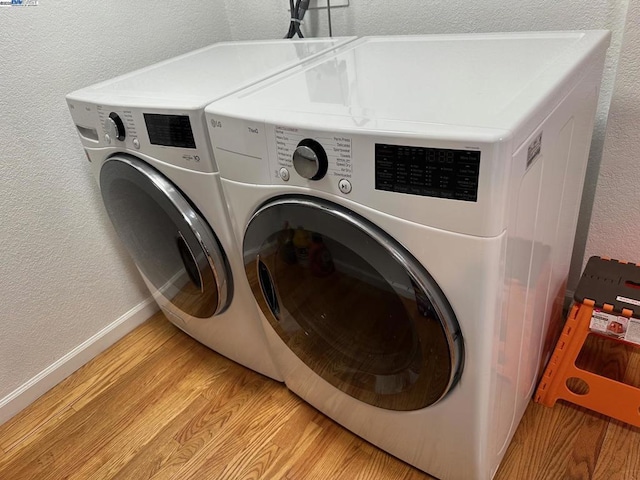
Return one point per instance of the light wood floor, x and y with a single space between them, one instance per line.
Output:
159 405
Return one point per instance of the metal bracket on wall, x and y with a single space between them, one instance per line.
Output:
318 4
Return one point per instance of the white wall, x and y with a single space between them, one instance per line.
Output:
615 220
64 276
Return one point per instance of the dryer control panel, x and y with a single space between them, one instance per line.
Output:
443 181
173 136
430 172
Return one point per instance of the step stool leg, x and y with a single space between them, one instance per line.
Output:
567 349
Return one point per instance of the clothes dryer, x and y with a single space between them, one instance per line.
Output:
145 137
407 221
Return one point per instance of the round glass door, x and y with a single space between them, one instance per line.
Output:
170 242
352 303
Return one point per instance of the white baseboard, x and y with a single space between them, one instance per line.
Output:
29 392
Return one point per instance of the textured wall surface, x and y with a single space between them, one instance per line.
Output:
616 211
64 275
268 18
373 17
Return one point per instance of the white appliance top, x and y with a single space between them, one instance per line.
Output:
473 80
197 78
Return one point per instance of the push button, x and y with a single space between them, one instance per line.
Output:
344 186
284 174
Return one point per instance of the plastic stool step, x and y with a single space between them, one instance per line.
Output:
613 285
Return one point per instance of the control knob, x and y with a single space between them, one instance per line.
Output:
310 160
114 126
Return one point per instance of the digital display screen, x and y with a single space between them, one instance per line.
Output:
429 172
169 130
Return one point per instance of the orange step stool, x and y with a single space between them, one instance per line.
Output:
609 294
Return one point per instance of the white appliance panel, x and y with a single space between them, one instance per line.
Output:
195 79
525 103
156 116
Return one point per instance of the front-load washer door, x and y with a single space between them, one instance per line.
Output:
353 304
171 243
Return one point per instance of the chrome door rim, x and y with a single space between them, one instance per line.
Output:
199 227
416 272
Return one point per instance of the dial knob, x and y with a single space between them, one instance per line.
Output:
114 126
310 160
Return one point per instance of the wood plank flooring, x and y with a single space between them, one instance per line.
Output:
159 405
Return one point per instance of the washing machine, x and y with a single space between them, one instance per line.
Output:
145 137
408 217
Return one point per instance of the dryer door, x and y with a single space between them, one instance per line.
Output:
173 246
352 303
